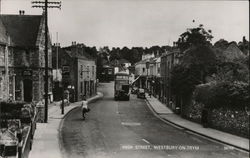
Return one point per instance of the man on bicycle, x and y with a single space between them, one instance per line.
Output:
84 107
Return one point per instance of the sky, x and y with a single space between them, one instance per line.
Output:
132 23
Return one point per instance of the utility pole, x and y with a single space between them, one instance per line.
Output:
44 5
57 45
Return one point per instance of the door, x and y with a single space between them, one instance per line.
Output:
27 90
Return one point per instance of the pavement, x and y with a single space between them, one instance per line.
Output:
164 113
46 138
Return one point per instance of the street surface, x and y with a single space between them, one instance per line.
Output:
128 129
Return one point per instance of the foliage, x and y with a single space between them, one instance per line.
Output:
183 80
197 63
133 54
236 70
194 37
223 94
200 59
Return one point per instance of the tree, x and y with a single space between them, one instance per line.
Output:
194 37
197 63
237 70
223 94
200 59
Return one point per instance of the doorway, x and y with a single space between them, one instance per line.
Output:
27 90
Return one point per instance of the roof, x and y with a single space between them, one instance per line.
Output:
230 52
23 29
122 73
77 51
122 61
150 60
3 34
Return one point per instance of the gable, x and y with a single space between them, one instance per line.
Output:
233 52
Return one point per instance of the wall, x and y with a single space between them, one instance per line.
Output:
139 69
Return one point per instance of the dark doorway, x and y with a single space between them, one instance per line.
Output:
27 90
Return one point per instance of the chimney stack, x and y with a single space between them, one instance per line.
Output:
21 12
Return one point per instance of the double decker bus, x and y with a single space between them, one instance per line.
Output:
121 88
106 74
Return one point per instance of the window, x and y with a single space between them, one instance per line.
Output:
143 70
121 77
81 71
81 87
87 71
93 71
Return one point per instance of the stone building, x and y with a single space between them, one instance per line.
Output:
26 61
78 71
6 63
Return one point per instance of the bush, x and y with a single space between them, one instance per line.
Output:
223 94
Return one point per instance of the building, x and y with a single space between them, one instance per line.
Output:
26 57
78 72
121 65
142 70
5 57
154 77
168 60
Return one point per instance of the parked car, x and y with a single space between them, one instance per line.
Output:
141 93
134 90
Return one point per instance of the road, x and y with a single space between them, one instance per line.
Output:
128 129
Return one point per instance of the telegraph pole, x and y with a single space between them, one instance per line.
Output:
44 5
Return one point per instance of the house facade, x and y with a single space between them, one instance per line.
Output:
143 70
6 61
26 57
168 60
78 72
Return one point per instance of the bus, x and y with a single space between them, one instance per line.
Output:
106 74
121 88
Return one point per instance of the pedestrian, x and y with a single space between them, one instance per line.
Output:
149 93
204 117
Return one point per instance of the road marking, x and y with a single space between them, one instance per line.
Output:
131 123
146 141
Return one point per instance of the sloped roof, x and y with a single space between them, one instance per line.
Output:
233 52
78 52
230 52
122 61
3 33
23 29
150 60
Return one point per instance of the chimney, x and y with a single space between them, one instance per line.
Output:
21 12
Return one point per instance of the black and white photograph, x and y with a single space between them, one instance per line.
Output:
124 79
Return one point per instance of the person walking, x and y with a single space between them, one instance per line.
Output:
149 93
204 117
